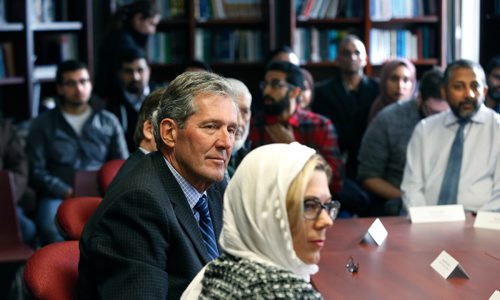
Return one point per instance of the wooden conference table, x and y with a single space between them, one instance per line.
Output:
400 267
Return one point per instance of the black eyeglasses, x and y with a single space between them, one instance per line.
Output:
274 84
313 207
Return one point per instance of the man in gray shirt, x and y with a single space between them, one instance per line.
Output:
382 155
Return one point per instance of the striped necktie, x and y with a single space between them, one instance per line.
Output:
206 228
449 187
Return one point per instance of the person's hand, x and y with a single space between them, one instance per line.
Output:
280 133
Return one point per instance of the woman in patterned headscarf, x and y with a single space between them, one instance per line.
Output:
277 209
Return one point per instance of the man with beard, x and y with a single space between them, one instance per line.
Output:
346 100
241 141
283 121
126 101
493 79
454 157
76 135
382 155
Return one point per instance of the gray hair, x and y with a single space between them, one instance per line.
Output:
240 89
177 102
464 63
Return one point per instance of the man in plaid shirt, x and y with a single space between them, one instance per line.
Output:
283 121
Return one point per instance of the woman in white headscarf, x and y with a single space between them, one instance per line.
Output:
277 208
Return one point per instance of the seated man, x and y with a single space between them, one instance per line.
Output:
492 70
454 157
125 101
382 156
14 160
283 121
158 226
143 135
73 136
346 100
242 143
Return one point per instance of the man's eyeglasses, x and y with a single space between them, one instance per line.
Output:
313 207
274 84
74 83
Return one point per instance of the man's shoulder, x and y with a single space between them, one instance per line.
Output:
309 117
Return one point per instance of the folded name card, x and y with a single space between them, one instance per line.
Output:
488 220
495 296
437 213
448 267
376 233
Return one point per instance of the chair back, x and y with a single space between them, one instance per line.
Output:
73 214
12 247
85 184
52 271
107 173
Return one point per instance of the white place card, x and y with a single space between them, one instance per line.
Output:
376 233
495 295
448 267
437 213
488 220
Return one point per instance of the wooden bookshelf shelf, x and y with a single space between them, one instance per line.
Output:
29 40
11 27
58 26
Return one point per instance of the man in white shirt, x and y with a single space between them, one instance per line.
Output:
464 88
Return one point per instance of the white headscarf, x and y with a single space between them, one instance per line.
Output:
255 218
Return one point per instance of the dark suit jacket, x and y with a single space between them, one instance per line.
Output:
348 112
132 161
143 242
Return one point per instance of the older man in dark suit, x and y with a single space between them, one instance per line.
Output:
154 232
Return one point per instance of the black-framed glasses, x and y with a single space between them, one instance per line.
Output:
313 207
274 84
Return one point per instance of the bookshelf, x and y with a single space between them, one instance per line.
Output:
233 37
489 23
411 29
35 35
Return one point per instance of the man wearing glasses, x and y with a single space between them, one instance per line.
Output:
382 155
283 121
71 137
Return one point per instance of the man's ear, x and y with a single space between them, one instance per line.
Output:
147 130
168 132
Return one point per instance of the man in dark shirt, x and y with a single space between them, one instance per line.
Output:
346 101
71 137
283 121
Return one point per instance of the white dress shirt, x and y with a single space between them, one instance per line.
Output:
427 158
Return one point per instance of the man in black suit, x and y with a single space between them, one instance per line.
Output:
134 86
145 241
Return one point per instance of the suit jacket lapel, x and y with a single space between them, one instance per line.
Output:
181 207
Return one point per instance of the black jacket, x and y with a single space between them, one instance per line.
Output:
56 152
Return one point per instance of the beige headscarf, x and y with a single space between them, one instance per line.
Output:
255 218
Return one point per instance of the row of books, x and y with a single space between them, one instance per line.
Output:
47 11
7 68
328 9
171 8
229 45
314 45
412 44
383 10
221 9
496 8
167 47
